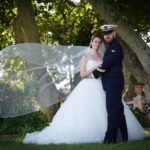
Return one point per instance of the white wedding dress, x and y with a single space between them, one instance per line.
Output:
83 117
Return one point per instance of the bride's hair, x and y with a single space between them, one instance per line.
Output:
93 37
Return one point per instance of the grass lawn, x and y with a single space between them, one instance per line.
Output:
15 143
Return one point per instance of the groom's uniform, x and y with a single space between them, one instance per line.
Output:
113 84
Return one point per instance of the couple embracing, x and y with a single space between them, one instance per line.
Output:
94 110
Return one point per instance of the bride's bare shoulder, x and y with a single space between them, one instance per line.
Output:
86 55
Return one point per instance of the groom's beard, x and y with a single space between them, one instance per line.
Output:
108 39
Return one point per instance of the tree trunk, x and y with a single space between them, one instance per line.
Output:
130 81
25 31
137 52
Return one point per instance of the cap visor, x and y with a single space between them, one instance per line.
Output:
107 32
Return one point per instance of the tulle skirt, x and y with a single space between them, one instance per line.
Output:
83 118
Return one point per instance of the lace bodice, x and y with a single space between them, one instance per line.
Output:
91 63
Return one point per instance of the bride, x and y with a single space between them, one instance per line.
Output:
83 116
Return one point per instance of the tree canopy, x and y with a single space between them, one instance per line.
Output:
64 22
60 22
134 13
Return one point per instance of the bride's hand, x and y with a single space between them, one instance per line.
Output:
100 70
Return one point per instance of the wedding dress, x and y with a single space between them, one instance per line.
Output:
83 117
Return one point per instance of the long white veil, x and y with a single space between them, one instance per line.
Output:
34 76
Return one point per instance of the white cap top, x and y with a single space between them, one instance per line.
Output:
108 27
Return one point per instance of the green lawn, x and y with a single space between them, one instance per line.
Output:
15 143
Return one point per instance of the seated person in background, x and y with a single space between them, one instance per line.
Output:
138 102
139 99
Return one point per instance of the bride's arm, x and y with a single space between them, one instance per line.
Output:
83 72
100 69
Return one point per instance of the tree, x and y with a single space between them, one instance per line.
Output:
137 52
60 19
25 31
62 22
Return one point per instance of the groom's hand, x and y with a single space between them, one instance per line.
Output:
96 73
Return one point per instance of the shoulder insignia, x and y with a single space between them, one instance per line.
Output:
113 50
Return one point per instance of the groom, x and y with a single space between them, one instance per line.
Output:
113 84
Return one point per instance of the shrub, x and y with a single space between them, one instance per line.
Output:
23 124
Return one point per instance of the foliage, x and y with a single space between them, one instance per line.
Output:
66 22
18 88
142 118
57 23
135 13
61 20
7 13
23 124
